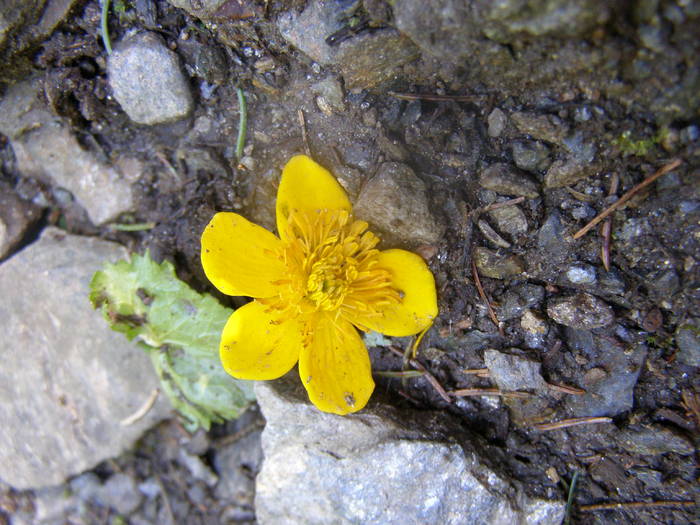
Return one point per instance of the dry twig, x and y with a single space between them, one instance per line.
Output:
480 372
142 411
431 97
635 505
566 389
430 377
565 423
626 197
399 373
464 392
496 205
237 436
304 136
482 294
606 228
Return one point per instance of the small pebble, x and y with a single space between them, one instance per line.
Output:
581 274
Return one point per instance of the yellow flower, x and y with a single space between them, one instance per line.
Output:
311 285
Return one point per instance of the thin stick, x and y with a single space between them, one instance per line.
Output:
635 505
430 377
496 205
237 436
166 500
242 123
464 392
136 227
482 294
142 411
304 136
432 97
566 389
168 165
627 196
483 372
565 423
399 373
105 30
606 228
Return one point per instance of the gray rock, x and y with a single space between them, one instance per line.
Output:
531 155
653 440
542 127
204 9
197 467
46 149
565 173
553 249
663 284
506 20
237 464
491 264
533 323
330 95
580 147
513 372
376 466
443 28
492 235
52 504
688 341
87 487
581 274
373 58
581 311
518 299
510 220
61 403
503 179
609 390
497 121
120 493
147 80
365 60
16 217
407 218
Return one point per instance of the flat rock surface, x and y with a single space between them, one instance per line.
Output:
46 149
148 81
376 466
396 201
67 380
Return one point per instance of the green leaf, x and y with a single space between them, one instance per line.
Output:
180 329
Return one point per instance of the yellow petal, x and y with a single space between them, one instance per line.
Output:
418 306
254 346
307 186
335 368
239 257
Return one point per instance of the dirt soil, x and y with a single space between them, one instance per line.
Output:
191 172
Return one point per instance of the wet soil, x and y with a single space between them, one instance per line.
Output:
192 172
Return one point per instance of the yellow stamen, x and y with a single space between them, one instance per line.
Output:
332 267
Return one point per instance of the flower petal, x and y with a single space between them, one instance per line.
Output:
254 346
418 306
307 186
239 257
335 368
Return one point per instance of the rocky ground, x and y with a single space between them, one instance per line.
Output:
483 137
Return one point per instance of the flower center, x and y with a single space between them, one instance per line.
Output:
333 266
